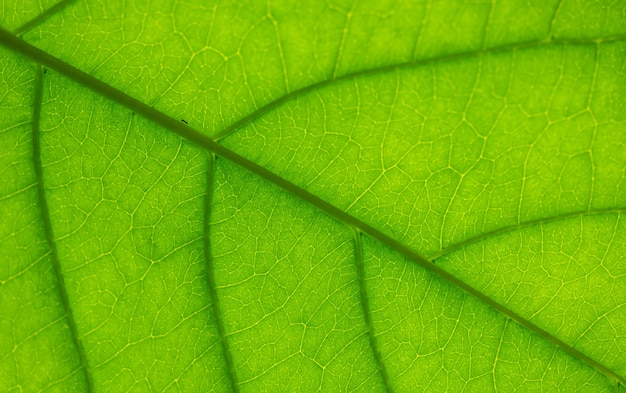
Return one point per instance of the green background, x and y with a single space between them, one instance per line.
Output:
404 196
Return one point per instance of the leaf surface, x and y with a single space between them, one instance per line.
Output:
369 196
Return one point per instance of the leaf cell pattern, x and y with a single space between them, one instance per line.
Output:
365 196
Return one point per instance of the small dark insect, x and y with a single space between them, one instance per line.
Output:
184 121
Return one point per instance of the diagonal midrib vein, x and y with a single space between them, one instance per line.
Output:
45 214
43 58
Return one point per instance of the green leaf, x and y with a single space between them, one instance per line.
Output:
313 196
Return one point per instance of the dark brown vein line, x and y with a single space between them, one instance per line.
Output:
37 55
230 366
42 17
45 214
539 221
392 67
358 250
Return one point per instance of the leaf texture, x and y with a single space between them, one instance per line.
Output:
391 196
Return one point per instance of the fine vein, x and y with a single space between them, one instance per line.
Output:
509 228
358 249
232 376
42 17
14 43
43 204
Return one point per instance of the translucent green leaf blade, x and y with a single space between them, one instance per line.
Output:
400 196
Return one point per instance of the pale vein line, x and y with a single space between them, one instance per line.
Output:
495 360
43 204
42 17
230 366
509 228
358 249
342 42
594 128
17 192
279 45
37 55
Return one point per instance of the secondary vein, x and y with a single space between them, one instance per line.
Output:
43 58
43 204
525 224
358 250
42 17
392 67
232 375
